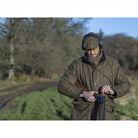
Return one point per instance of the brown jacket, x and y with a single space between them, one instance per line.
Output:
107 72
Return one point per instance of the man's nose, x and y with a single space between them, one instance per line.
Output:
91 52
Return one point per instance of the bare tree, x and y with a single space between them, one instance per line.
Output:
10 29
41 46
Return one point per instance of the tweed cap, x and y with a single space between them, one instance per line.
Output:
90 41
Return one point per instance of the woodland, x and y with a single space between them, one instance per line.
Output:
44 47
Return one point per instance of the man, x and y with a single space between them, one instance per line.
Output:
96 72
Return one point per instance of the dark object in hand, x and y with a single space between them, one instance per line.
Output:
99 98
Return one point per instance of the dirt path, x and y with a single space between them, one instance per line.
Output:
13 92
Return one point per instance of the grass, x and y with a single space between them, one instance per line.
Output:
45 105
20 80
127 112
127 106
4 93
50 105
22 88
2 87
13 91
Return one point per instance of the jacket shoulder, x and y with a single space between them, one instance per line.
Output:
112 61
78 60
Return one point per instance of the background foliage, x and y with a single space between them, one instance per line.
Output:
46 46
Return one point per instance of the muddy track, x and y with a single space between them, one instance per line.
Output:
7 99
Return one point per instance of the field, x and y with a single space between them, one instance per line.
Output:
41 101
45 105
127 106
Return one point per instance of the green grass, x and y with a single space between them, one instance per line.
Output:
2 87
13 91
127 112
127 106
45 105
22 88
50 105
4 93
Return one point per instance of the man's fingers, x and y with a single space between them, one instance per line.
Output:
106 89
91 99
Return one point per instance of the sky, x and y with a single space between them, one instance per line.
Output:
111 26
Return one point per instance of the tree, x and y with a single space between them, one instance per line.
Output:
123 48
40 46
9 30
101 34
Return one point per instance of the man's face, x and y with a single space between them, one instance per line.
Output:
94 52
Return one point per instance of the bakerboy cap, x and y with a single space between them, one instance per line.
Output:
90 41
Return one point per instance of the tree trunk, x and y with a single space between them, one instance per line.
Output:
12 63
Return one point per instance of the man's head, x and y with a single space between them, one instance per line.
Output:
91 44
91 41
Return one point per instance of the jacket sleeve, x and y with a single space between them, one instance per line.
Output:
121 82
67 81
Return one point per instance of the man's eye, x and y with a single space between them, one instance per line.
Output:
94 50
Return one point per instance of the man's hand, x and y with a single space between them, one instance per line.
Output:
107 89
89 96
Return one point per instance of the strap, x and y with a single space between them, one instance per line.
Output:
103 74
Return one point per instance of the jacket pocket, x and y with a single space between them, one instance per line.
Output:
80 106
109 105
109 108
